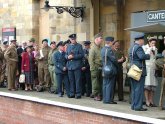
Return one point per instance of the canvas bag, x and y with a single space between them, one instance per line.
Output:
134 72
22 78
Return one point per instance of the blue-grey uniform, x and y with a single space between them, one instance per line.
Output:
137 87
86 74
109 82
74 66
61 75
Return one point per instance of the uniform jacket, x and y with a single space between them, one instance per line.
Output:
43 63
50 57
1 56
110 58
59 62
26 61
95 57
85 59
160 65
11 54
78 53
139 57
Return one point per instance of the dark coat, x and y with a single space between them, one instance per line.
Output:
139 57
26 61
111 60
59 62
78 53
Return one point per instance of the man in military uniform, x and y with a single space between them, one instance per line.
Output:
53 87
3 73
161 65
43 73
86 74
96 67
61 70
119 55
74 55
11 57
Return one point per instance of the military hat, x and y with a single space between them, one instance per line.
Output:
139 36
111 39
5 42
67 42
45 40
14 40
98 35
87 43
61 43
72 36
53 42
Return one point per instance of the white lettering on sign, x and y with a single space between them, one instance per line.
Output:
154 16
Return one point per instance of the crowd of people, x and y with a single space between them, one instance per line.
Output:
67 67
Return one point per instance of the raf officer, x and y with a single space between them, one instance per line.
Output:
138 57
74 55
95 67
11 57
51 67
119 77
86 74
61 69
161 64
42 58
108 58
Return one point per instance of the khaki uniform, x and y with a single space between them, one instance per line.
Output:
119 77
51 68
43 73
1 65
95 68
160 63
11 60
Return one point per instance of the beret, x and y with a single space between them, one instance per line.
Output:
60 44
139 36
44 40
109 39
72 36
98 35
87 42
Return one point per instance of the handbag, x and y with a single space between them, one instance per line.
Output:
134 72
22 78
107 70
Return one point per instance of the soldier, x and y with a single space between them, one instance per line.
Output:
11 57
43 73
161 64
96 67
74 55
108 59
51 67
86 74
119 55
61 70
138 57
1 64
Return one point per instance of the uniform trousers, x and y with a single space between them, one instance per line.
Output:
162 92
75 82
53 77
108 89
62 78
137 93
11 76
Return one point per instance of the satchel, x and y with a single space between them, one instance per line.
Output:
107 70
22 78
134 72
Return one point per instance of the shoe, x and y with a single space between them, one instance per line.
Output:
60 95
71 96
148 105
13 89
153 105
121 99
113 102
78 97
142 109
91 96
97 98
163 108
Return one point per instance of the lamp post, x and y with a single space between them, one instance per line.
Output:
77 12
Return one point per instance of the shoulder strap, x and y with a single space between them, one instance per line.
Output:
106 56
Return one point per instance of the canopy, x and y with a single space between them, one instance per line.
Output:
156 27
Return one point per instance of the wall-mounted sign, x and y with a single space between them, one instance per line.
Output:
8 34
156 16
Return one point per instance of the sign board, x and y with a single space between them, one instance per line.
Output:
156 16
8 34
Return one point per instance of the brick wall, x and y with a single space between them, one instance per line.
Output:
15 111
